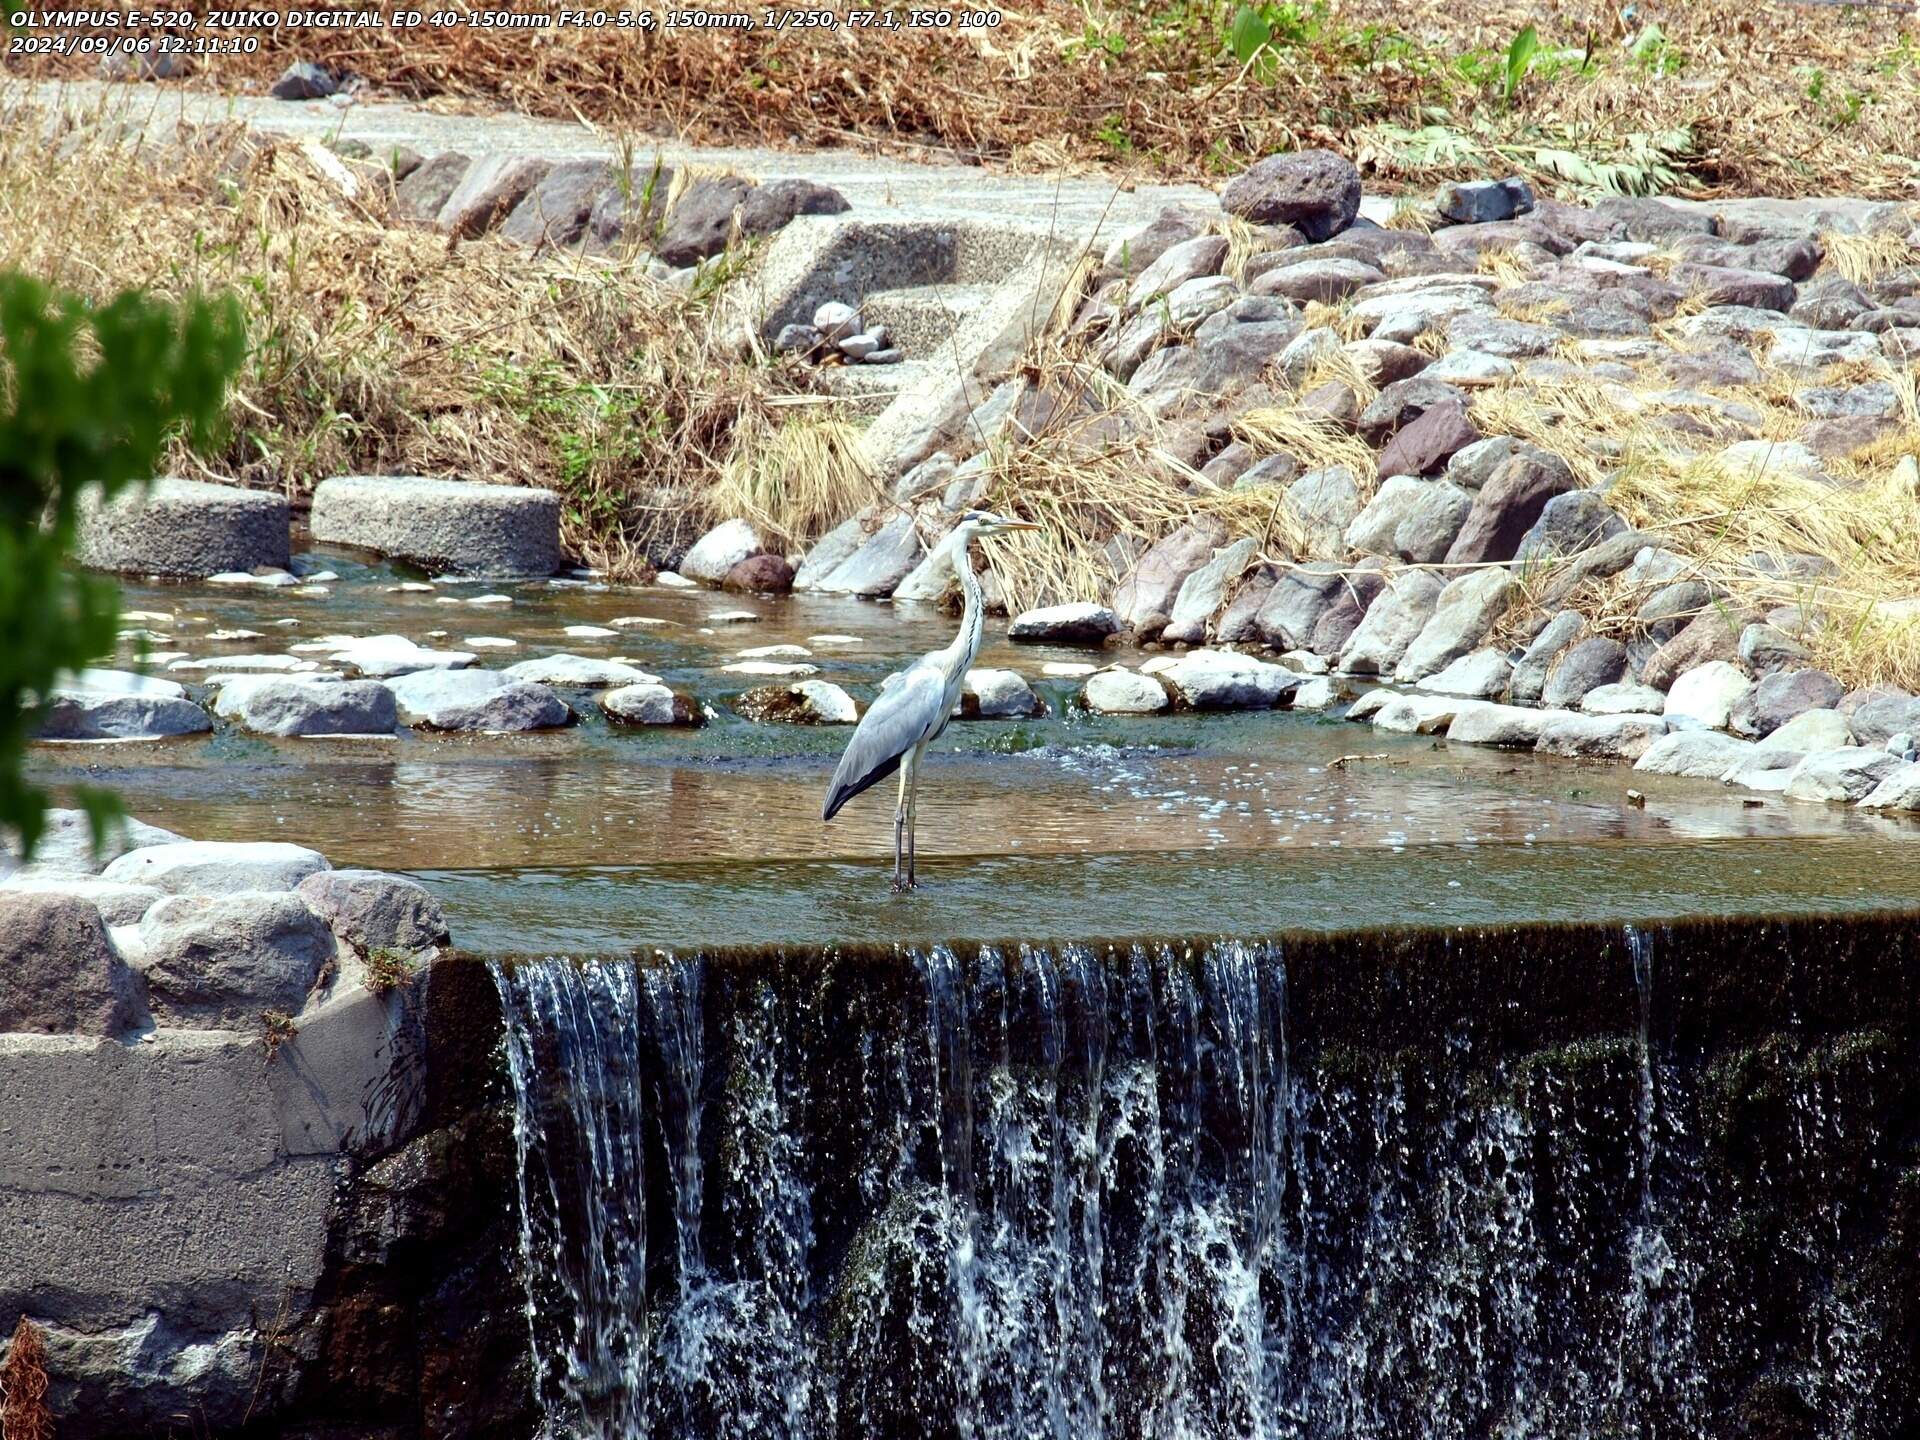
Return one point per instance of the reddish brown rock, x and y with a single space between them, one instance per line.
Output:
1507 507
1426 444
59 973
761 575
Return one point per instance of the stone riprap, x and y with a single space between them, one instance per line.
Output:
445 525
197 1046
186 529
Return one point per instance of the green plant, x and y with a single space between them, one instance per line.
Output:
1520 57
90 397
388 968
1651 50
276 1029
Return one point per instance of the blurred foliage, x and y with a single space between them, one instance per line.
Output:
90 397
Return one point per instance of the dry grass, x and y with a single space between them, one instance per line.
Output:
1707 96
378 349
1741 527
1313 438
795 481
1865 258
1098 489
24 1414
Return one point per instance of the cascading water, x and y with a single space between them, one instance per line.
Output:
1067 1192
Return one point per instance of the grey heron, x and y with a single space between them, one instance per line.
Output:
911 712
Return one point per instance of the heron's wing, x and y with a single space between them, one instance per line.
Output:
910 710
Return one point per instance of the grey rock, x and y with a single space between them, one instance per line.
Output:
1324 280
1795 258
1830 302
1305 351
1471 368
296 707
1583 666
1301 595
1710 635
1840 777
1699 754
1763 769
1900 790
556 211
1417 714
1478 675
647 703
303 80
1881 717
840 544
452 525
701 223
1472 466
886 558
1809 731
120 717
1202 592
220 961
183 528
1281 469
1385 362
1764 648
1401 403
1077 622
488 192
1480 202
1373 529
584 672
59 973
1781 695
1623 698
1670 608
1315 191
381 657
1531 669
1189 260
1144 600
1224 680
1816 349
1463 614
1124 692
117 904
1570 522
1601 737
1238 622
1640 218
1360 587
372 910
797 340
1230 350
631 209
719 550
216 867
424 193
1391 623
778 203
66 845
509 708
1706 694
1508 506
1492 334
1427 442
1135 251
1325 502
994 694
1510 726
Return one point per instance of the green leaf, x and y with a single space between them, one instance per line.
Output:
1248 34
1520 55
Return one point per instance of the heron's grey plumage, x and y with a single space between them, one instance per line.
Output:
911 712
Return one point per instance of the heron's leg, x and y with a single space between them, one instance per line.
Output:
913 800
899 826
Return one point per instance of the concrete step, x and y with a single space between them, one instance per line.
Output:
872 388
922 318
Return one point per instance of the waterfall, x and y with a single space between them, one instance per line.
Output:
1134 1192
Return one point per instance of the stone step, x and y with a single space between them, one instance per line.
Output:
923 317
872 388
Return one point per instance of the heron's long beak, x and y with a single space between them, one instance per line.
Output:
1016 525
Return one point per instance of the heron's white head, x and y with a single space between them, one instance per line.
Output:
985 522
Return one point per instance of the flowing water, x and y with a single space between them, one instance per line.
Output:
1231 1189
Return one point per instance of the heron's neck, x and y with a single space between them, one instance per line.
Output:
966 644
